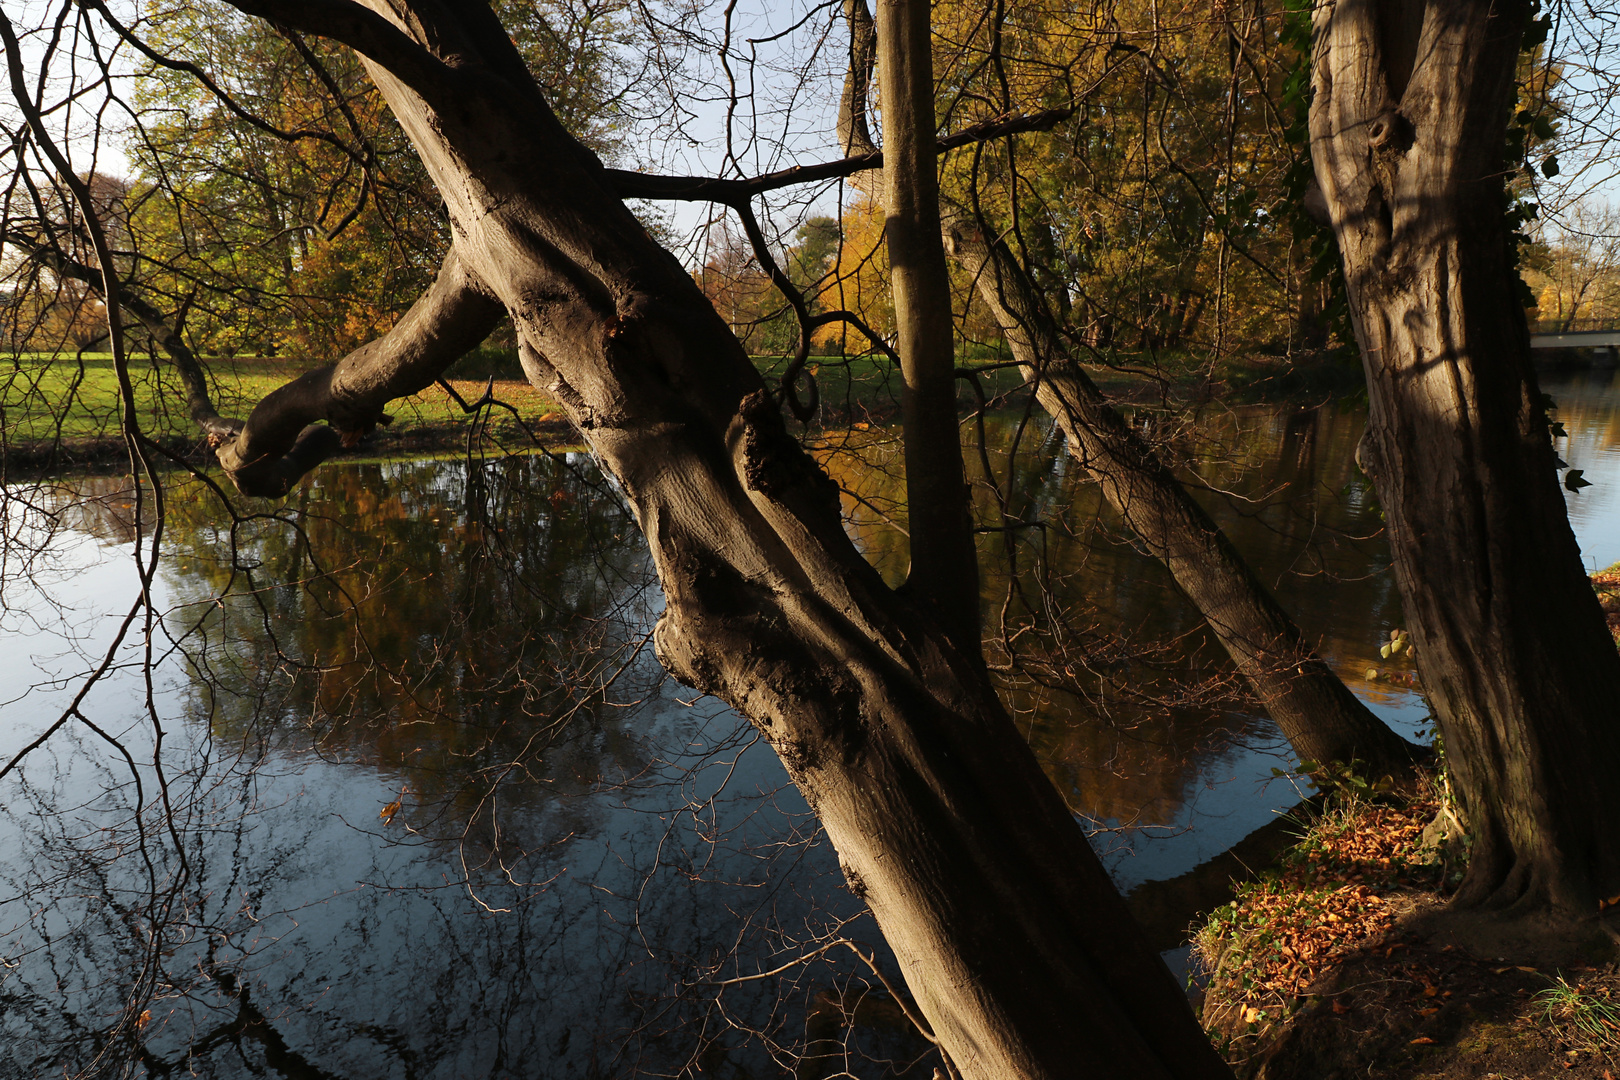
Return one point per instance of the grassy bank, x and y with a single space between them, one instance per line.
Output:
66 408
1333 964
73 405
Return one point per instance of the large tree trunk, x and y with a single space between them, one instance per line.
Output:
1322 720
1407 135
1012 939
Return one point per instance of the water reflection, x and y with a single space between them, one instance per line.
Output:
578 847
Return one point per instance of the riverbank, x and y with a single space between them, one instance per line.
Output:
1607 584
66 410
65 414
1333 965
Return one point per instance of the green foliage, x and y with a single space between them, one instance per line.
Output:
1344 778
308 229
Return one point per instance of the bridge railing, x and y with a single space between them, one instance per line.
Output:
1575 326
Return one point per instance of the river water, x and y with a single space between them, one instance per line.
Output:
394 787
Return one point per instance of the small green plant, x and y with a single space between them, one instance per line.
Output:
1341 777
1588 1019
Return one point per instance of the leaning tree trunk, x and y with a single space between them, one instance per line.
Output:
1407 134
1015 944
1322 720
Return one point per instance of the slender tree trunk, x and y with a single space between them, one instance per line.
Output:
1322 720
1017 948
1408 129
944 564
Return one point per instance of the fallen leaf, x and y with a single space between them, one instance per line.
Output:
1422 1040
387 813
1428 1012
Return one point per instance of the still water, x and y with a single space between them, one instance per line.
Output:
392 785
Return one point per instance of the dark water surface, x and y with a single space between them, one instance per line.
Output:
424 806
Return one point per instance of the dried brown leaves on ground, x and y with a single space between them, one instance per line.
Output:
1316 971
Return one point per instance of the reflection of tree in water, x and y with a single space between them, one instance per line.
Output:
473 647
440 623
1121 690
477 650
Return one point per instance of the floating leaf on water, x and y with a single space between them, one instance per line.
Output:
1574 481
1372 673
1384 652
387 813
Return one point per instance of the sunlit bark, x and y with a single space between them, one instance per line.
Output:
1407 135
1013 941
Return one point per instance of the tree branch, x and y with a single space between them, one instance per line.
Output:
198 399
634 185
283 439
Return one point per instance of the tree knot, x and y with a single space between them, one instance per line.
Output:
773 463
1391 133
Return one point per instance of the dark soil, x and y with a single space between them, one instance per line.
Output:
1405 1007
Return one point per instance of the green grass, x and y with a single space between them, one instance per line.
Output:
1589 1019
76 400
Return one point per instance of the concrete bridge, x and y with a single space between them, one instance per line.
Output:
1575 334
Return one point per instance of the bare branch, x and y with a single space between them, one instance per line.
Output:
198 399
634 185
283 439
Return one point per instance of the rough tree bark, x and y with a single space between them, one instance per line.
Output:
944 564
1408 129
1015 944
1322 720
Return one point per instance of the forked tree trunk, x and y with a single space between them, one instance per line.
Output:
1016 946
1408 130
1322 720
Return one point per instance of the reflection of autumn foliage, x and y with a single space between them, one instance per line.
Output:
432 619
